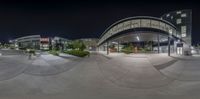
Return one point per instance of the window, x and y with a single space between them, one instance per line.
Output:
145 23
172 17
170 31
135 23
178 12
162 26
168 15
183 31
183 15
120 27
155 24
178 21
127 25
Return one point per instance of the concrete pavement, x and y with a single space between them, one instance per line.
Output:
116 77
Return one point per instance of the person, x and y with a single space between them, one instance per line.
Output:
29 56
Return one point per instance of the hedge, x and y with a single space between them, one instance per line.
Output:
56 53
77 53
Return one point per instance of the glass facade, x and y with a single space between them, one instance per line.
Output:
32 41
138 23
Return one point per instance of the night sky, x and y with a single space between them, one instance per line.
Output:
80 19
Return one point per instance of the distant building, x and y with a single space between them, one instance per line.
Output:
32 41
45 43
59 43
39 43
90 43
182 19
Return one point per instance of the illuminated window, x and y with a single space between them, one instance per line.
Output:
183 31
183 15
178 21
135 23
168 15
162 26
178 12
127 25
172 17
145 23
170 31
155 24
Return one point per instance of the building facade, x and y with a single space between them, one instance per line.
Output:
32 41
40 43
59 43
182 19
170 33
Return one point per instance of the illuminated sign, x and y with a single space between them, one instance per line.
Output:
44 39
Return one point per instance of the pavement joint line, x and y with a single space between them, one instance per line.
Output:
72 63
131 87
165 65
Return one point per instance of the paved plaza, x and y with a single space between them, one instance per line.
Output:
100 76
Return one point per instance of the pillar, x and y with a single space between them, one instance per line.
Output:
169 46
107 45
158 36
118 46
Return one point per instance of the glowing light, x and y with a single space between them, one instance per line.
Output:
138 38
114 42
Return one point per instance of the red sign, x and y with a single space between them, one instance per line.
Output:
44 39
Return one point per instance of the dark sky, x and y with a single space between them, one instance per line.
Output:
80 19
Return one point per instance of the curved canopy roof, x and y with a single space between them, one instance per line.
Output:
141 22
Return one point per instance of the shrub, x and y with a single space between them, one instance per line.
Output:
76 45
128 49
54 52
78 53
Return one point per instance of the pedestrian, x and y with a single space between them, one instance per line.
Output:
29 56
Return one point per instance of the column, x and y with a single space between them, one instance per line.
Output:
158 37
151 46
169 46
107 45
118 46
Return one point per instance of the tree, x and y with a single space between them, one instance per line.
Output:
69 45
76 45
82 47
128 48
198 46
